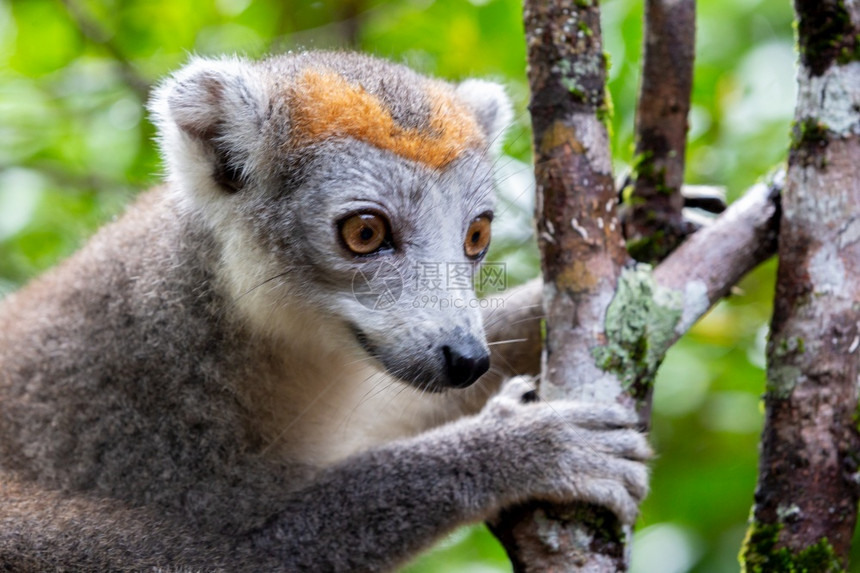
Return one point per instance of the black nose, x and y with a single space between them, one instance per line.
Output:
465 363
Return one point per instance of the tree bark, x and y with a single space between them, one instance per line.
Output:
583 252
653 222
702 270
652 215
806 500
608 322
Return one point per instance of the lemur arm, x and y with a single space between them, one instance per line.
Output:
370 512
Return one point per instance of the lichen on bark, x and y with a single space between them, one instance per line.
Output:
639 327
582 252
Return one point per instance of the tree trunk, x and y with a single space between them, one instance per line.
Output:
608 322
583 252
806 499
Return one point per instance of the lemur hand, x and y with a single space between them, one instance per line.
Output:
565 451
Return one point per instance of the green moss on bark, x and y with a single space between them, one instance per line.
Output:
650 248
606 111
809 139
826 35
808 132
848 54
640 327
655 235
759 553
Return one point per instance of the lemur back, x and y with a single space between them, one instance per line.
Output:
212 381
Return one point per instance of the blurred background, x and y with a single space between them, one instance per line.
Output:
76 146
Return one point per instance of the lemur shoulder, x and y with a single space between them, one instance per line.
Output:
200 386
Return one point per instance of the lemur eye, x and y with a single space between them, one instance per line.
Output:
478 237
364 233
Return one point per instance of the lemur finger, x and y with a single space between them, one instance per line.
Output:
510 397
596 416
628 444
635 476
612 495
517 387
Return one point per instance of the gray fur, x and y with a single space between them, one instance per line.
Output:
189 392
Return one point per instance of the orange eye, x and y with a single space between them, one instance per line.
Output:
364 233
477 237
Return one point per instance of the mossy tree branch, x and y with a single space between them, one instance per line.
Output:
698 274
806 498
653 222
583 253
652 214
608 322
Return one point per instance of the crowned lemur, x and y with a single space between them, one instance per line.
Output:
235 376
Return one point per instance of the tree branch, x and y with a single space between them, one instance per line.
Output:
695 276
93 31
698 274
600 311
653 224
714 259
806 499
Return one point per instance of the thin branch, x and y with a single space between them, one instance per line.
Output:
711 261
651 309
652 217
702 271
98 35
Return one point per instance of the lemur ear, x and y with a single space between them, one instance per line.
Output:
213 107
491 106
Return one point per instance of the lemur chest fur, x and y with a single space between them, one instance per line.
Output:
318 402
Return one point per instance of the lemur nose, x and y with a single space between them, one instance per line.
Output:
465 363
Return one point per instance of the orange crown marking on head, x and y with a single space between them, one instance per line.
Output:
324 104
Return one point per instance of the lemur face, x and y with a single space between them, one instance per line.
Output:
347 189
392 247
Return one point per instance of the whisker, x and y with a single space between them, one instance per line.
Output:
507 341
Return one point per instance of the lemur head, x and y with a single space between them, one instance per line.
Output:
352 198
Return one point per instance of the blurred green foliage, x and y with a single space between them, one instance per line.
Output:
75 146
